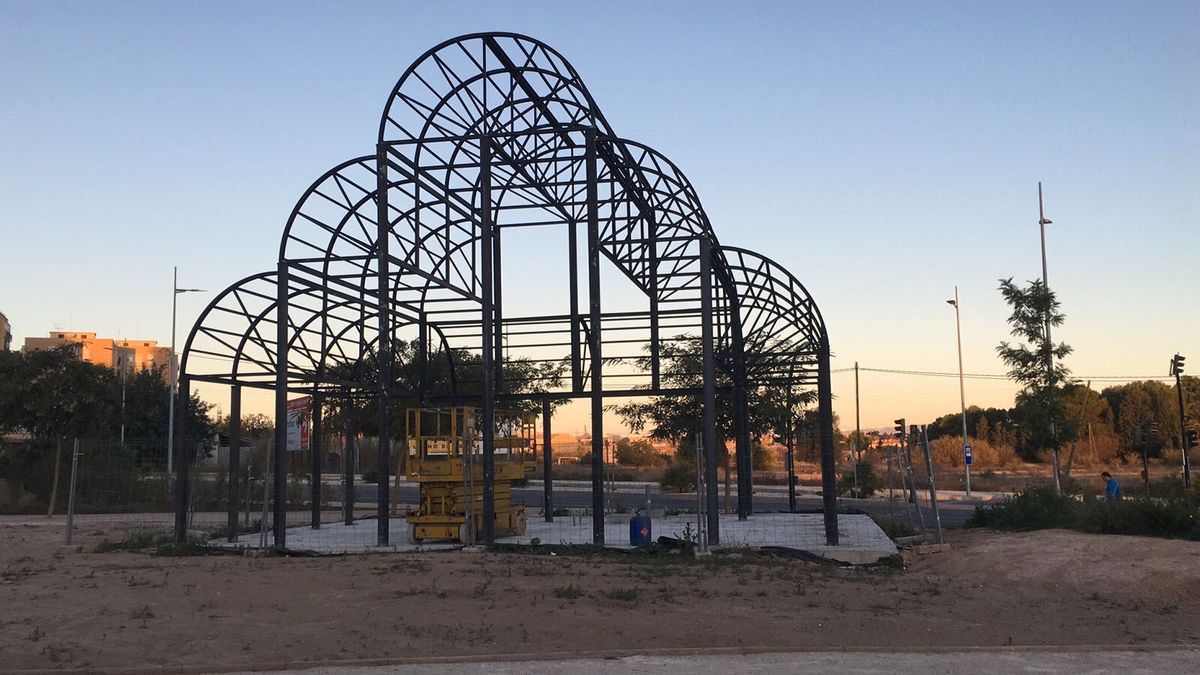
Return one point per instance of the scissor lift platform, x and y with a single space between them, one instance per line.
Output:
445 458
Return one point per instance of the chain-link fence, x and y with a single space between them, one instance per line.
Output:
114 491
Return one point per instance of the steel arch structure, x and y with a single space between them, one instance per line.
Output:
484 136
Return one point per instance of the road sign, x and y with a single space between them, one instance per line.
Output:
967 454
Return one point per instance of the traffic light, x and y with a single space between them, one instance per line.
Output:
900 427
1154 426
1192 441
1177 365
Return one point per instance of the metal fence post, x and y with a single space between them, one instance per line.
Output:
71 494
937 519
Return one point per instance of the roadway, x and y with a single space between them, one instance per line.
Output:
578 495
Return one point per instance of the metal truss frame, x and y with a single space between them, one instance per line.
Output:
482 135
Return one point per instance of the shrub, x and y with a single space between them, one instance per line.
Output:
868 482
1039 508
678 477
1036 508
894 529
947 451
569 592
637 452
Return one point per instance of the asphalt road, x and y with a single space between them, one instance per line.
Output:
953 514
983 662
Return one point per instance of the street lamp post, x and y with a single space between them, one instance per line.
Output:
120 362
1043 221
962 392
124 376
173 367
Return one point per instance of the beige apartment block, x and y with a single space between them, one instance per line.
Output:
129 355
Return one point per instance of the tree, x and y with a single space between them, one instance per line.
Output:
520 375
679 416
859 441
637 452
1036 364
147 415
52 394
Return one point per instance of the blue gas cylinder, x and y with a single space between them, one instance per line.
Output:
639 530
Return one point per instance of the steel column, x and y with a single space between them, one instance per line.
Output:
279 497
791 451
422 359
498 308
573 286
487 342
595 358
383 291
710 394
655 370
742 444
547 464
314 445
828 465
348 459
235 460
183 467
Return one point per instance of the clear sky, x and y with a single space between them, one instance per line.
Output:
884 152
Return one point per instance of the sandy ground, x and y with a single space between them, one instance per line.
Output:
69 609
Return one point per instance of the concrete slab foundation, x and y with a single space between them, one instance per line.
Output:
861 540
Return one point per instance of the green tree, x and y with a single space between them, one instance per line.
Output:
637 452
857 441
678 417
520 375
1086 409
1036 363
147 415
54 395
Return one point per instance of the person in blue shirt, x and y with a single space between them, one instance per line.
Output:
1112 489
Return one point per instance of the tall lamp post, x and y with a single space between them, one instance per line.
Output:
962 393
173 367
1043 221
121 363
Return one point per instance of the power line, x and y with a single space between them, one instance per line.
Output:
996 376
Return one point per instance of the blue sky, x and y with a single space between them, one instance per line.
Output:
884 152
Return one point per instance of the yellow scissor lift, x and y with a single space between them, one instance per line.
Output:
445 458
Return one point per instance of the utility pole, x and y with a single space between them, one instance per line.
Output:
962 395
1043 221
857 433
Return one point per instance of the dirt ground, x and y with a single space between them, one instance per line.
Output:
70 609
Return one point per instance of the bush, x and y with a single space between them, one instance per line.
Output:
1039 508
637 452
947 451
868 482
678 477
894 529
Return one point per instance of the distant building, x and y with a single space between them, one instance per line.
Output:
5 333
130 356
